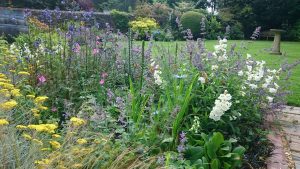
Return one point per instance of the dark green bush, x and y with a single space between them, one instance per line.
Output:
121 20
236 32
191 20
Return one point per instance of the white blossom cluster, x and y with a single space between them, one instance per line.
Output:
157 73
221 50
257 77
222 104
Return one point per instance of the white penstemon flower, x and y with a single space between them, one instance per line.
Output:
222 104
220 50
157 74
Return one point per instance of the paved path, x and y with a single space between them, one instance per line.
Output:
290 122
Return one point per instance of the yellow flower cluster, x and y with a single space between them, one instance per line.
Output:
48 128
55 144
77 121
3 122
81 141
42 162
143 25
8 105
23 73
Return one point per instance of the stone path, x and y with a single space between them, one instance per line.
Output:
290 124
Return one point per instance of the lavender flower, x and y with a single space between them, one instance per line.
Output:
256 33
181 147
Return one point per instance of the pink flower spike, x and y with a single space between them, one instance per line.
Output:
102 81
42 79
104 75
97 37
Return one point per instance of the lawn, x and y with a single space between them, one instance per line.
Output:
259 50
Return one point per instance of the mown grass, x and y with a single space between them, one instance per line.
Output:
260 51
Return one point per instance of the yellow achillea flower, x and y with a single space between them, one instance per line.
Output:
21 127
4 80
23 73
42 162
3 122
26 136
48 128
35 111
12 71
81 141
8 105
16 92
6 85
5 92
77 121
42 107
45 149
30 96
55 144
56 136
40 99
2 75
37 141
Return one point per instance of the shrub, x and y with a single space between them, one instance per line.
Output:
143 25
236 31
159 11
121 20
192 20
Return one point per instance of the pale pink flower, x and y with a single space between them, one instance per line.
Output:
95 51
104 75
102 81
41 79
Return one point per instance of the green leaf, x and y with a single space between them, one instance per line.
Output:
205 163
211 150
227 166
239 150
217 139
215 164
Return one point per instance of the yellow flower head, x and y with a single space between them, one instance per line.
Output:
3 122
16 92
27 136
45 149
43 162
48 128
5 92
21 127
40 99
9 105
77 121
56 136
55 144
30 96
24 73
37 141
81 141
7 85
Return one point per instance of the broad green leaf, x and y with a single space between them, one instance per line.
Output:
215 164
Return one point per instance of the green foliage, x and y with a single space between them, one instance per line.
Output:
191 20
215 153
213 28
121 20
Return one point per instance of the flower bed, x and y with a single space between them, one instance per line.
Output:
74 96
